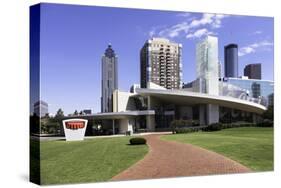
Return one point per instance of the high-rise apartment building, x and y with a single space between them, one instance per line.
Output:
109 78
161 63
253 71
231 61
208 77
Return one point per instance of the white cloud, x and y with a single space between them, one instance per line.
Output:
151 33
184 14
252 48
206 19
217 20
188 26
246 50
175 30
257 32
199 33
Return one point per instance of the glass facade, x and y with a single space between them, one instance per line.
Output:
231 60
255 88
207 69
207 65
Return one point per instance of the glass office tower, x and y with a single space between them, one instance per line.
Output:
207 65
207 77
231 60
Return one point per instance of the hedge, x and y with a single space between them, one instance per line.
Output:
137 141
220 126
265 123
187 130
213 127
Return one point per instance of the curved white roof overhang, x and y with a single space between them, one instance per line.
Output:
114 115
181 97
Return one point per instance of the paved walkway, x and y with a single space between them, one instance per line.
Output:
174 159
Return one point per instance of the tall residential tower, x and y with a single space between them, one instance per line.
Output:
231 61
161 63
109 78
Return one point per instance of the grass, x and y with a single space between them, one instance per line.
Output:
91 160
250 146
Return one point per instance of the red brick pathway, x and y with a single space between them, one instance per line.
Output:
174 159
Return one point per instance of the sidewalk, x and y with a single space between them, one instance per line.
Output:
174 159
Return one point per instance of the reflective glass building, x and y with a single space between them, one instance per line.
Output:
255 88
208 78
231 60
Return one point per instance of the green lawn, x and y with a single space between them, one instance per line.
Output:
251 146
91 160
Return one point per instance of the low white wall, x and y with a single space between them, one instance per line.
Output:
150 123
123 126
126 125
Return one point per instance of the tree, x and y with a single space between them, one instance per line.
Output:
75 113
59 113
47 115
268 114
81 113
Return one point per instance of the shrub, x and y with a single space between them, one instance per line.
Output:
265 123
237 125
213 127
187 130
180 123
137 141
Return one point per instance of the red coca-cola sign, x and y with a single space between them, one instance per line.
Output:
74 125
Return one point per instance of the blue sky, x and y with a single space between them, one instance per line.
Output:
73 39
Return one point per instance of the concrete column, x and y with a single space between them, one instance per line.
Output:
212 114
113 126
123 126
150 122
202 115
130 125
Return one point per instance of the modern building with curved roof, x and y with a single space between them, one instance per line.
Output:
182 97
152 106
153 109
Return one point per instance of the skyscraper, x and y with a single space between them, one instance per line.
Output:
109 78
231 60
253 71
161 63
207 65
207 77
219 70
